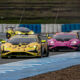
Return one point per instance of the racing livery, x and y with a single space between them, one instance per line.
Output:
64 41
24 45
11 32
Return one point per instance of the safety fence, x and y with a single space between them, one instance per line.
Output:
43 28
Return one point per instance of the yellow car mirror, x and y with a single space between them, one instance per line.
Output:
18 32
31 32
49 37
43 41
3 41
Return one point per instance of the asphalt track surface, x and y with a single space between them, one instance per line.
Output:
4 61
27 68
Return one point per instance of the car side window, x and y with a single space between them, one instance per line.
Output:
39 40
78 35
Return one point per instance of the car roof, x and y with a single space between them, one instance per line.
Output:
24 36
22 29
75 31
65 34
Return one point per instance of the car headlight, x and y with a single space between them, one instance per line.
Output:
32 33
34 46
52 42
19 33
5 47
73 42
7 50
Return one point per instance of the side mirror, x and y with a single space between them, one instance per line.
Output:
3 41
31 32
43 41
49 37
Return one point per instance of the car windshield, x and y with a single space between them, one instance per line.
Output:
23 29
50 35
64 36
22 40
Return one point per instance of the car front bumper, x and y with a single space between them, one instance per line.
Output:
74 47
23 53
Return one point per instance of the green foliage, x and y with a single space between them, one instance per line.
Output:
40 11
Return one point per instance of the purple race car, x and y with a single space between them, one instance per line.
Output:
64 41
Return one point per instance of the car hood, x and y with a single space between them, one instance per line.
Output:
27 45
62 40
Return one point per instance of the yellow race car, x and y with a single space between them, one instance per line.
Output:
23 46
20 30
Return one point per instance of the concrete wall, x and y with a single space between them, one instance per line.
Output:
45 28
50 28
4 26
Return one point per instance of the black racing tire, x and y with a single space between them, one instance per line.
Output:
47 52
55 50
6 57
42 52
13 57
78 48
8 35
9 57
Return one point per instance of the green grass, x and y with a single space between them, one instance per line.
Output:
32 0
14 13
41 21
